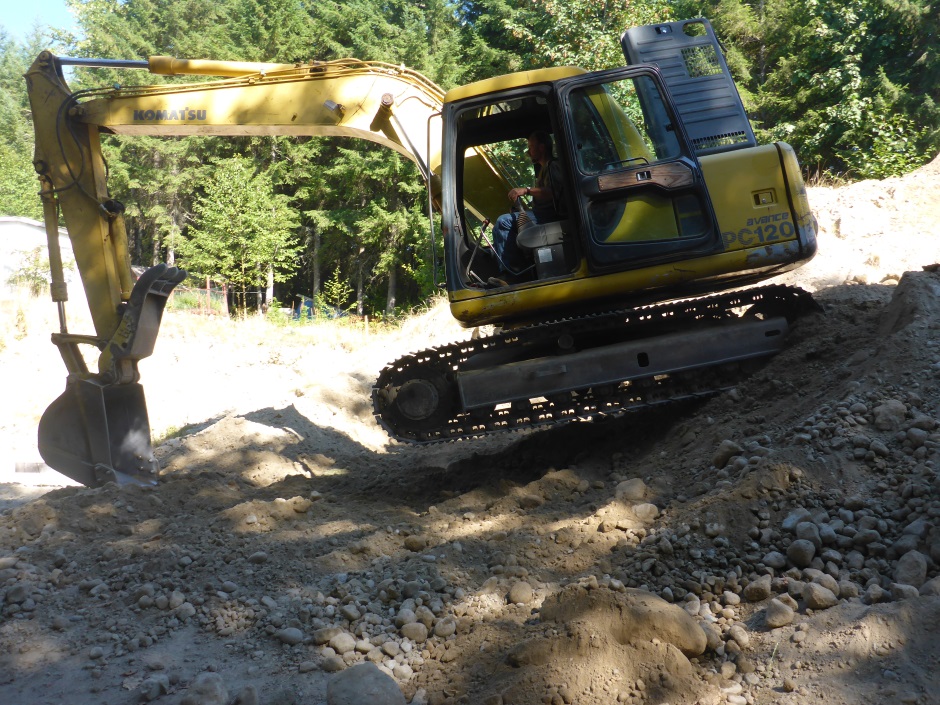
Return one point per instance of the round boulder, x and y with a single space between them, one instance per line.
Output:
631 490
363 683
911 569
209 689
758 590
778 614
801 553
817 597
415 631
521 592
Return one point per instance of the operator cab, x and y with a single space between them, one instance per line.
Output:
632 192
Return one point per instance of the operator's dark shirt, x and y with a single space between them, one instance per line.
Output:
547 209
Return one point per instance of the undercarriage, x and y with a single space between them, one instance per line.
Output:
582 368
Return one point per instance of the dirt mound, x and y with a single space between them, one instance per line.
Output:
871 232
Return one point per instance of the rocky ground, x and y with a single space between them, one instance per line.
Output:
777 544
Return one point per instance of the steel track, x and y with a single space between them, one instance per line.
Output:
442 364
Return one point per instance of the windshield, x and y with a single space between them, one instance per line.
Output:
612 130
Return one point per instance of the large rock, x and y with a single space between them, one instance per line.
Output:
931 587
778 614
343 643
911 569
795 517
361 684
208 689
415 631
291 636
726 450
631 490
900 591
521 592
808 531
758 590
801 552
646 512
818 597
890 415
775 560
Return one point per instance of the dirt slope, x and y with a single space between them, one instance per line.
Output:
780 543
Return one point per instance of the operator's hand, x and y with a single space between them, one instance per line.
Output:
517 193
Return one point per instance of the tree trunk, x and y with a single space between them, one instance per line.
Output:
156 249
176 216
315 264
393 270
392 285
269 289
133 233
360 290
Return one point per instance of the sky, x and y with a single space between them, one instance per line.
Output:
18 17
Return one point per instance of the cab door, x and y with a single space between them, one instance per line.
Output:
639 188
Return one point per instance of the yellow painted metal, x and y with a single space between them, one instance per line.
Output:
735 179
797 187
510 81
473 308
647 216
386 104
169 66
338 98
66 160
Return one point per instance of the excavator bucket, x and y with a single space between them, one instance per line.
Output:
92 429
98 430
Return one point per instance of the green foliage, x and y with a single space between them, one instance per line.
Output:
33 272
276 314
854 85
242 228
582 33
424 36
18 183
189 299
336 293
891 150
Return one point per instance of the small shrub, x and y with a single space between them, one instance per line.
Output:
33 272
20 328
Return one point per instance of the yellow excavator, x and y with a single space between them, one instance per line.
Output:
633 293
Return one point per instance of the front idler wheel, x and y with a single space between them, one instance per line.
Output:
419 405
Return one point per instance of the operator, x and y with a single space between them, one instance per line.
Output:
546 196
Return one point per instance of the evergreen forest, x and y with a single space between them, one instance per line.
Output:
853 85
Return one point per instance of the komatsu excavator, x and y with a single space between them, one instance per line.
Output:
635 295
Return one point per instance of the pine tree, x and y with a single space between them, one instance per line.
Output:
242 231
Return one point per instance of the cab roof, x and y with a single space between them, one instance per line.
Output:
511 80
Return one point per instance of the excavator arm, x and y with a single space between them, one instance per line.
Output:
98 430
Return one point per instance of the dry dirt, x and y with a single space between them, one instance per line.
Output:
779 543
